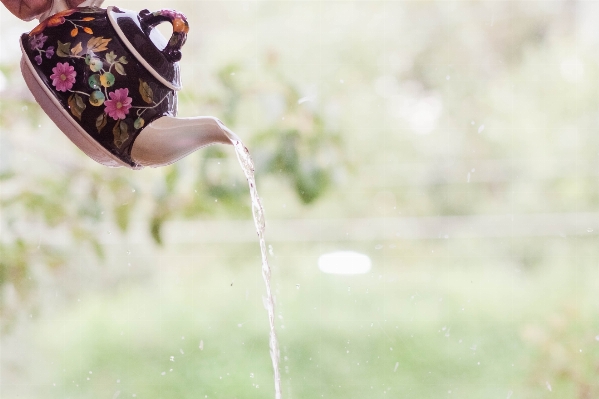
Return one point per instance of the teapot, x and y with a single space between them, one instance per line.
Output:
109 80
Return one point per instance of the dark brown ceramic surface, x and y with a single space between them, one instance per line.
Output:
102 85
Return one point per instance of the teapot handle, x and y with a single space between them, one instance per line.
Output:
172 51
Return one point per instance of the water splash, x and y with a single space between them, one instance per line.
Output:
245 160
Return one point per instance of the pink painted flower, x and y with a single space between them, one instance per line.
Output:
118 105
63 77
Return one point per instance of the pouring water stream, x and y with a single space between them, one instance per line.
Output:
245 160
167 140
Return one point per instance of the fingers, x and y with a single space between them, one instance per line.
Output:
28 9
74 3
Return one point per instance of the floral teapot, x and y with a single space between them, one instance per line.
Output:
109 81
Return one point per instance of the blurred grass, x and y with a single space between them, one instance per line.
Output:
411 328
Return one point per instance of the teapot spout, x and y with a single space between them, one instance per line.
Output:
168 139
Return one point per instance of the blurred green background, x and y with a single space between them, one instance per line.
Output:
454 143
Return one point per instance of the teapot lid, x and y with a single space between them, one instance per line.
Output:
159 56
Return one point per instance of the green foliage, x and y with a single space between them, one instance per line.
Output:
57 202
299 149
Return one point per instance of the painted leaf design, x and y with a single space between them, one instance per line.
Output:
88 30
111 57
80 102
146 92
123 60
86 19
76 105
97 44
64 49
77 49
120 132
74 32
119 68
101 122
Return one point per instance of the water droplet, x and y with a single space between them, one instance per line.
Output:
163 373
481 128
172 358
590 230
251 375
133 190
447 77
597 338
128 252
548 385
201 345
297 286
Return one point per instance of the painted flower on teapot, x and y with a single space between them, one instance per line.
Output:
107 83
